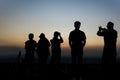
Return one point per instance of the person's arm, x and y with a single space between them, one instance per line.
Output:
84 40
51 42
61 39
25 45
48 42
116 35
36 46
100 32
70 42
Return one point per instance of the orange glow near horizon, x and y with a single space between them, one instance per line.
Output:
18 39
19 42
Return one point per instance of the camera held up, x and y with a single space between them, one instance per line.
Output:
100 28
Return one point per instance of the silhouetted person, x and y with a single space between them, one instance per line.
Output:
30 46
109 50
77 41
43 49
43 54
56 49
110 39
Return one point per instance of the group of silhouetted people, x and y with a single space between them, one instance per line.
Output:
42 49
77 41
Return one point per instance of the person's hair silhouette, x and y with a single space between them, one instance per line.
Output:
56 49
43 49
110 39
77 41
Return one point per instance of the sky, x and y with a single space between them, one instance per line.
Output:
18 18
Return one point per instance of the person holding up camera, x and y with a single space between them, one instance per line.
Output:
56 49
110 39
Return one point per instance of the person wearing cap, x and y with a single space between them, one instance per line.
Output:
43 49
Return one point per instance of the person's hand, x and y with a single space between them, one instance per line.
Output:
59 34
100 28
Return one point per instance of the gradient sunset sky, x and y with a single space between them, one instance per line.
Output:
18 18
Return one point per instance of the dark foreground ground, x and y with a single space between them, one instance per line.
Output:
20 71
12 69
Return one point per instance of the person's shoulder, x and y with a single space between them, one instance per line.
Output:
34 41
115 30
27 41
73 32
46 39
82 31
51 40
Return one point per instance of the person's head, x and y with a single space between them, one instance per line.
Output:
56 34
42 35
31 36
110 25
77 24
